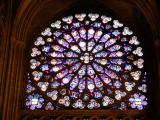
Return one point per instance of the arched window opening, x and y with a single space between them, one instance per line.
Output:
86 61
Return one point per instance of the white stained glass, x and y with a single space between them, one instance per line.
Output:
86 61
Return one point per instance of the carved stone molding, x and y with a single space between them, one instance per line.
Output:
13 86
85 115
34 13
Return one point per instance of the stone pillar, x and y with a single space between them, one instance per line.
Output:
13 88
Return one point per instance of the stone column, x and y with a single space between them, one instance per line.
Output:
13 88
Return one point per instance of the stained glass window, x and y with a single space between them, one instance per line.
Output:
86 61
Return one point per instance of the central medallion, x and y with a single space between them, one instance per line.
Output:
86 58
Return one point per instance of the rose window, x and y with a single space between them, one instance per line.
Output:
86 61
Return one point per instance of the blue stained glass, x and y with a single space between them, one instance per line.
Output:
116 33
86 62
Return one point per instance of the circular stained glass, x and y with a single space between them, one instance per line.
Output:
86 61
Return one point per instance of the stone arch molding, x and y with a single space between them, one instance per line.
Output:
34 13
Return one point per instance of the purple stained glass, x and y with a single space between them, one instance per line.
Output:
86 61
